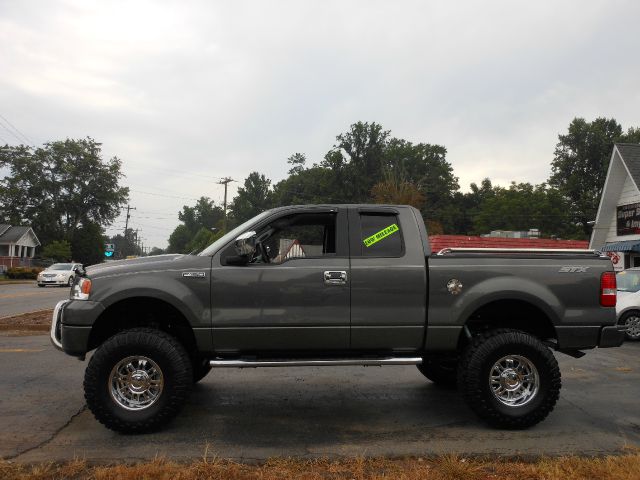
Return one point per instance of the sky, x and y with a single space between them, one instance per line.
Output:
186 93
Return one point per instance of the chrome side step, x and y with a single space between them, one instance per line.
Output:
367 362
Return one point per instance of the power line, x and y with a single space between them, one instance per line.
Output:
27 139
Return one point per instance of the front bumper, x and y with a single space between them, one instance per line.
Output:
71 325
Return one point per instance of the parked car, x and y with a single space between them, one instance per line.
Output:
58 274
628 306
335 285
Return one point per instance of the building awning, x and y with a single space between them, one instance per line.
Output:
626 246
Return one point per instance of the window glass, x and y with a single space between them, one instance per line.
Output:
297 236
380 235
628 281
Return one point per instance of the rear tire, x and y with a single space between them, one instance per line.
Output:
509 378
632 321
441 372
138 380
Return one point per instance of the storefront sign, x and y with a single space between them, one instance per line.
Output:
617 260
628 219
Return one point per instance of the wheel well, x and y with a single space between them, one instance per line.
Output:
142 312
516 314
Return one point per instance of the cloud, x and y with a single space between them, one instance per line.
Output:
185 93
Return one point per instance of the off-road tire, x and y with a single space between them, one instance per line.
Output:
200 369
475 367
161 348
441 372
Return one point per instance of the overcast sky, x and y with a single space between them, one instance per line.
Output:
188 92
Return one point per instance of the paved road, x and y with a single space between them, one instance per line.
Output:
322 411
23 298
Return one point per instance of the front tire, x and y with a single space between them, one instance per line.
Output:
509 379
138 380
631 320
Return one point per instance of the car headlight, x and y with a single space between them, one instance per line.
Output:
81 290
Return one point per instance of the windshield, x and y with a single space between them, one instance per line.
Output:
60 266
222 241
628 281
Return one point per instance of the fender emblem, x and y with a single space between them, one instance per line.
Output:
454 286
194 274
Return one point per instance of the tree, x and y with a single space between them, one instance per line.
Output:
125 245
364 144
396 190
203 239
205 214
156 251
87 244
59 251
580 164
59 187
523 206
254 197
179 239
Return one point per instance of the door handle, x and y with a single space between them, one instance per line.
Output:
335 277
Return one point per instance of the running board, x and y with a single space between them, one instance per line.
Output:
368 362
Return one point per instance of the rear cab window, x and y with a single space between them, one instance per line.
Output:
379 235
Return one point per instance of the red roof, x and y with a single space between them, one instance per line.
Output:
438 242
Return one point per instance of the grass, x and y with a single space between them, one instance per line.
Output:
448 467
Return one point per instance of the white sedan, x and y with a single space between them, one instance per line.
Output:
58 274
628 304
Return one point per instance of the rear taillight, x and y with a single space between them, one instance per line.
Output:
608 289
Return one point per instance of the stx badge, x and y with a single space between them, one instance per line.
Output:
573 269
194 274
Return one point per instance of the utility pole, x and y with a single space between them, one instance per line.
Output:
225 181
126 225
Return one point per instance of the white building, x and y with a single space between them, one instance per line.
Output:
17 246
617 227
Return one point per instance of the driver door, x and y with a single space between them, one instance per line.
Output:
294 294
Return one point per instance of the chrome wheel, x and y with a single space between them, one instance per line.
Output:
136 383
514 380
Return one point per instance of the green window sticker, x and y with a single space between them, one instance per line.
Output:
384 233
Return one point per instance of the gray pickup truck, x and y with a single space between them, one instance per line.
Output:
333 285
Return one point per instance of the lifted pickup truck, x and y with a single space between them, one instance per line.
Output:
331 285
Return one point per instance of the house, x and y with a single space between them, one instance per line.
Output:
617 225
438 242
17 246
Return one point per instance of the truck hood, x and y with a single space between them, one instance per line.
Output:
156 262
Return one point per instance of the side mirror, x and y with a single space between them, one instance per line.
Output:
245 244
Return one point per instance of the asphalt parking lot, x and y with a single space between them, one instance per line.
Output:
310 412
23 298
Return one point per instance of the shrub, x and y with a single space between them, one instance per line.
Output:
23 273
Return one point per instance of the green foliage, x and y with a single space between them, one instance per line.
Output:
205 214
203 239
580 165
59 187
254 196
125 246
523 206
58 250
23 273
179 239
87 244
